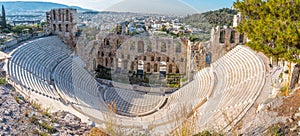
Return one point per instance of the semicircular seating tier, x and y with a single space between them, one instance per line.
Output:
218 97
239 79
133 103
77 86
31 64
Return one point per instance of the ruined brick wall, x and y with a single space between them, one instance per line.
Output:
63 22
223 39
125 53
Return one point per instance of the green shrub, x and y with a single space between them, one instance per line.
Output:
17 99
33 120
3 81
36 105
46 112
274 130
48 127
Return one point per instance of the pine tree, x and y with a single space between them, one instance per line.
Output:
273 27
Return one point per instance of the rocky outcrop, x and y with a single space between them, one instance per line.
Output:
18 117
280 115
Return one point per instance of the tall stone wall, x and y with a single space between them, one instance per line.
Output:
223 39
63 22
125 53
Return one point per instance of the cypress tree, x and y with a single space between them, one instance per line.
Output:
3 23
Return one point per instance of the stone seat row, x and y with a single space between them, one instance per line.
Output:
31 82
76 85
36 60
230 85
241 76
132 103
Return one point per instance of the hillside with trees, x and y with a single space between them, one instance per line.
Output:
210 19
205 21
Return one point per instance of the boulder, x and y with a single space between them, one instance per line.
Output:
91 124
56 125
8 112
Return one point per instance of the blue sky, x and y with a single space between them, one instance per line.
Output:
200 5
206 5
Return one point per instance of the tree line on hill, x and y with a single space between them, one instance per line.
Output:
205 21
210 19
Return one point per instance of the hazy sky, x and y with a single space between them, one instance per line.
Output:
200 5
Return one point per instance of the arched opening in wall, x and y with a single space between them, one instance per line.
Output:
140 46
178 47
241 38
182 59
170 69
158 59
132 45
106 41
163 47
177 70
140 67
149 46
232 36
59 27
54 27
148 67
106 62
155 67
67 27
222 36
67 15
152 58
163 69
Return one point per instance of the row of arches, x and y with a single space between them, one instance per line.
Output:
141 46
62 16
141 65
232 37
161 67
60 27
